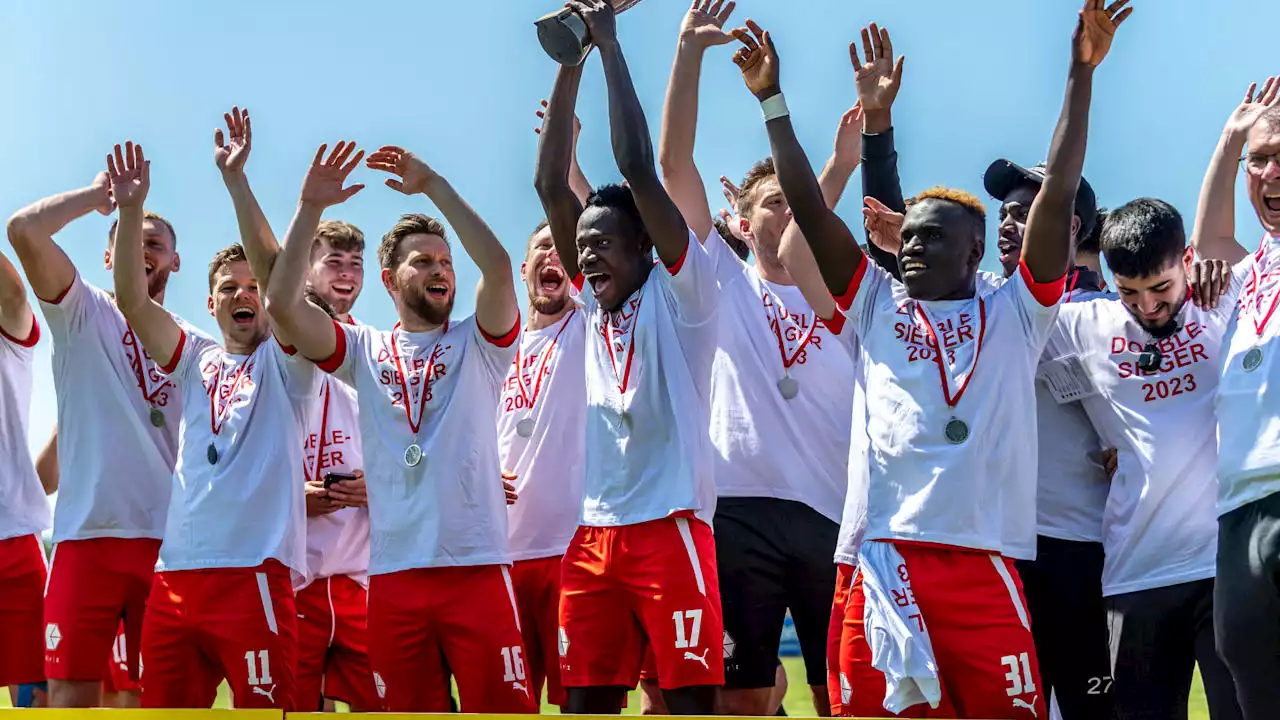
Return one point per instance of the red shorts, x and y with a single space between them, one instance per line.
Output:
333 646
537 586
973 607
93 585
425 620
234 623
628 587
844 581
22 578
117 679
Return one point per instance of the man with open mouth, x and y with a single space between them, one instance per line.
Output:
641 568
222 602
1246 603
439 587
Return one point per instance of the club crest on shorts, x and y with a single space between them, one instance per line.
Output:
380 686
52 636
730 645
564 643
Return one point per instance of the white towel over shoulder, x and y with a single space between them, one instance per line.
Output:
896 631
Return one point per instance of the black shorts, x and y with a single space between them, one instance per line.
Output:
773 555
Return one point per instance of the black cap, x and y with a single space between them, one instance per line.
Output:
1003 176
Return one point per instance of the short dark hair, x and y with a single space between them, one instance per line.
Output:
1141 237
233 253
529 243
620 198
738 247
389 254
1092 244
339 235
146 215
761 171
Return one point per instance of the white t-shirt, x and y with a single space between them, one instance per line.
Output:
337 543
247 506
766 445
853 519
1159 527
648 451
449 509
976 494
23 508
117 472
1072 484
545 387
1248 402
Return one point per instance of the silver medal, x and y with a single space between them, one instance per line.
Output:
789 387
157 418
1253 359
956 431
413 455
524 428
211 454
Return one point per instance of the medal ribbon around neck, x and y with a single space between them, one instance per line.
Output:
139 370
537 385
777 331
324 426
1255 309
427 381
219 410
625 378
953 401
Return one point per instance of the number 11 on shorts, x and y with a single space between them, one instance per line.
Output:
694 618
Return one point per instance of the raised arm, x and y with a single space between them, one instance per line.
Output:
878 81
309 328
833 245
496 309
703 28
578 181
1214 235
32 228
260 245
47 468
1046 249
632 145
551 178
15 311
130 175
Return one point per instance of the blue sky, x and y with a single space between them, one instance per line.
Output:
458 83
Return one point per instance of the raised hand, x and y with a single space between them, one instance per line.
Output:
129 174
414 173
599 17
731 192
758 60
880 77
884 226
323 185
1096 29
230 158
848 150
101 188
704 25
1209 280
542 117
1244 117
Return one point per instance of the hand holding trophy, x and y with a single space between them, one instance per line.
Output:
564 34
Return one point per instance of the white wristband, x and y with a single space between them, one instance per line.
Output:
774 107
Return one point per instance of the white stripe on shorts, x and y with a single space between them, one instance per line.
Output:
1009 585
268 608
511 595
48 573
682 524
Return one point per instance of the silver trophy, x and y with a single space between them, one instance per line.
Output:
564 35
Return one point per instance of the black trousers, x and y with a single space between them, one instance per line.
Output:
1246 604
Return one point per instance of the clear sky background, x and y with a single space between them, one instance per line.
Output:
458 83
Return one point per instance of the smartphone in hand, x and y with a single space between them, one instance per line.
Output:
332 478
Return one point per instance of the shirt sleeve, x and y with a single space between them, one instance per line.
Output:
1063 336
301 376
1036 304
870 287
22 346
346 346
74 309
724 260
1241 275
187 358
690 285
498 353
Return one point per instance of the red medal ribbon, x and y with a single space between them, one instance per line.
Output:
939 350
537 386
777 331
139 371
426 383
220 415
625 379
1256 281
324 426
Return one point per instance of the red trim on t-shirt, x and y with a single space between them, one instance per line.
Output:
578 281
172 365
339 351
836 323
32 337
288 349
62 295
679 263
845 300
1047 294
504 340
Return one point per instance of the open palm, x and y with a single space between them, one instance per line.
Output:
1245 116
879 78
414 173
1097 29
323 185
705 23
130 175
231 157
